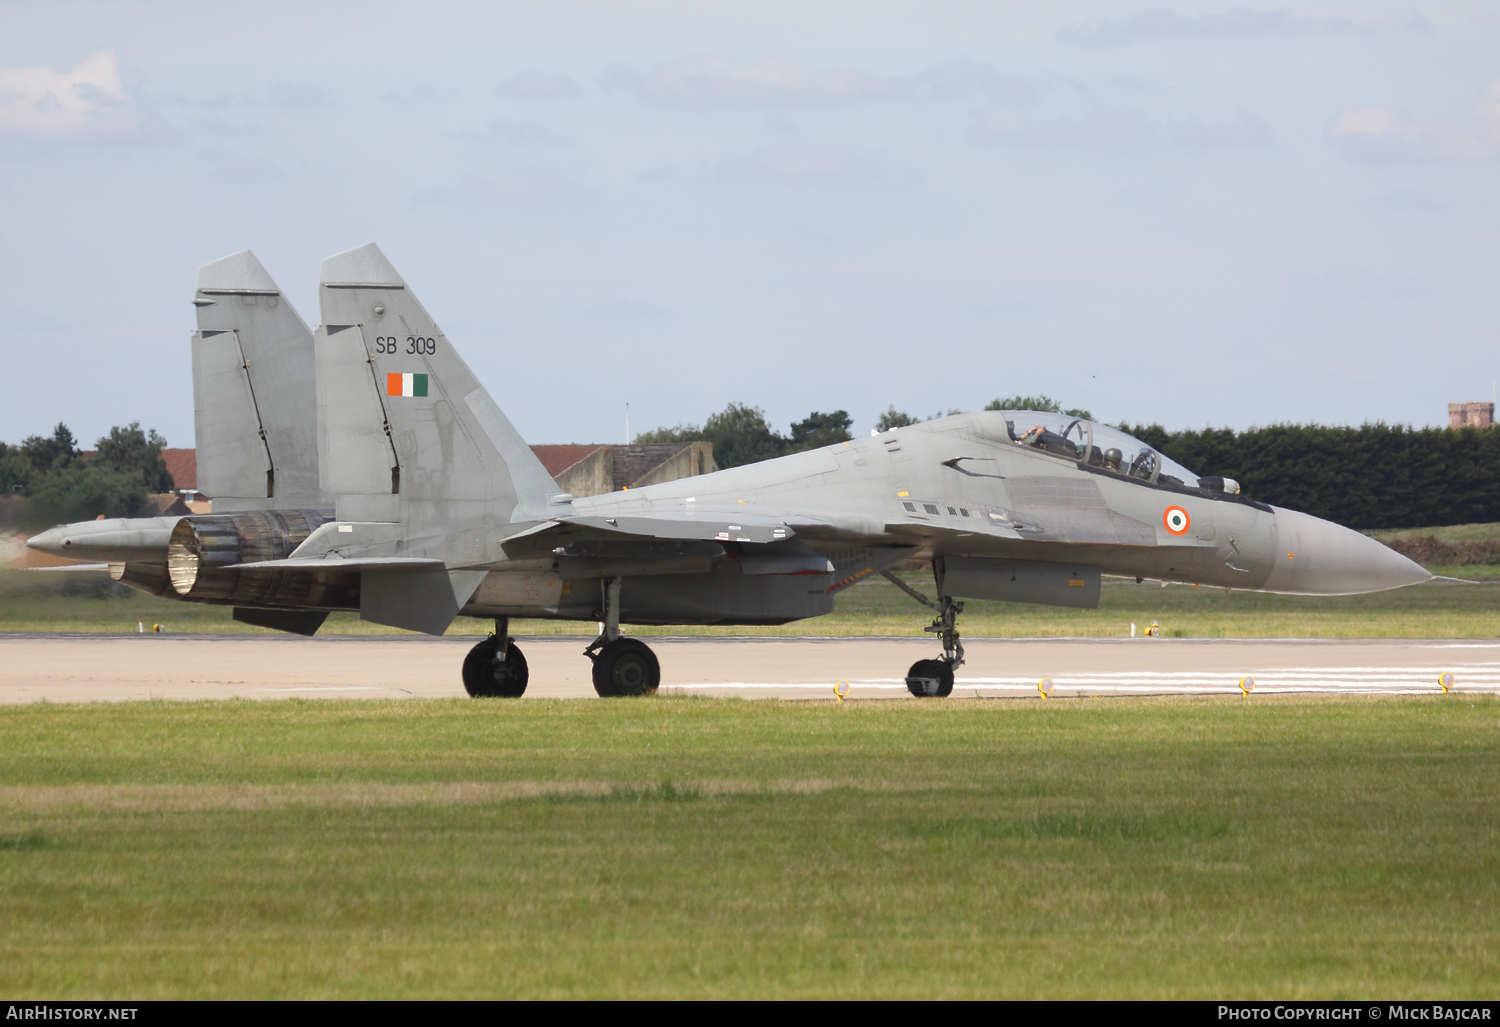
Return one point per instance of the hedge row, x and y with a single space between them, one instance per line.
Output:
1373 476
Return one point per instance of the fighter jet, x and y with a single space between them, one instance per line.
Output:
442 510
255 415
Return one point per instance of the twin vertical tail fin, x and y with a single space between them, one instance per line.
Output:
405 431
407 436
255 409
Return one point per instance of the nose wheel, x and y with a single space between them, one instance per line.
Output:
930 678
934 678
496 668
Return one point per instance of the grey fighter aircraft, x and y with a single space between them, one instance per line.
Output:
441 510
255 414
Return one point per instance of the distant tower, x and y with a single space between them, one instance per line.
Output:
1471 415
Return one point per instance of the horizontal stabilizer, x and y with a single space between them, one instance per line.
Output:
424 600
70 567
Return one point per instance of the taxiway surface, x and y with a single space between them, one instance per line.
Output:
85 668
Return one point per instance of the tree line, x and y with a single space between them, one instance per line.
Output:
741 435
64 485
1374 476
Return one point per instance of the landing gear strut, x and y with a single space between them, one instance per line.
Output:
935 677
622 666
496 667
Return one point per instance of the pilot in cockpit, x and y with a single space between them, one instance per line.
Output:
1043 438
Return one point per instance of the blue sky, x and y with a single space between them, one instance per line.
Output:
1202 214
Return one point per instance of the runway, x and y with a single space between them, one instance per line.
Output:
113 668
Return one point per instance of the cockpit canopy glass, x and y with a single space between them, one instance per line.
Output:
1099 445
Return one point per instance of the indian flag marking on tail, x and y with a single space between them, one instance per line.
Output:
406 385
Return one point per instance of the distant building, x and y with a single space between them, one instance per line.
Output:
1471 415
594 470
580 470
182 465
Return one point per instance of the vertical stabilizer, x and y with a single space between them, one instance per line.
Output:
254 398
406 432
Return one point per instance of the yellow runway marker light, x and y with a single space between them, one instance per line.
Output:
1045 686
1445 681
1247 685
845 686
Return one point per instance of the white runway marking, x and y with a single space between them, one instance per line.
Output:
1484 677
327 688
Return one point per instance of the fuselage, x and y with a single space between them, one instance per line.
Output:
962 487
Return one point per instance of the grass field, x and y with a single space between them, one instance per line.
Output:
676 847
69 602
1447 532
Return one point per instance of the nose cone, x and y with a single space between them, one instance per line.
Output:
49 541
1317 557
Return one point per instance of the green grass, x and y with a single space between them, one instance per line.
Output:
677 847
33 602
1447 533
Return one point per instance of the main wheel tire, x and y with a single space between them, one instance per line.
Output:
626 667
483 677
930 678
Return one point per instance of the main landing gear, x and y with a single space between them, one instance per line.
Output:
622 666
496 666
935 677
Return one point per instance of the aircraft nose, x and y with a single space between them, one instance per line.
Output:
50 541
1317 557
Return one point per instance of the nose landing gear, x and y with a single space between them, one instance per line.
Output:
496 668
622 666
935 677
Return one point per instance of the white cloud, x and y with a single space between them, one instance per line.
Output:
523 133
297 96
516 188
87 104
425 93
1111 128
537 85
1243 132
765 83
1379 135
1157 26
1103 128
802 165
958 78
242 167
628 310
